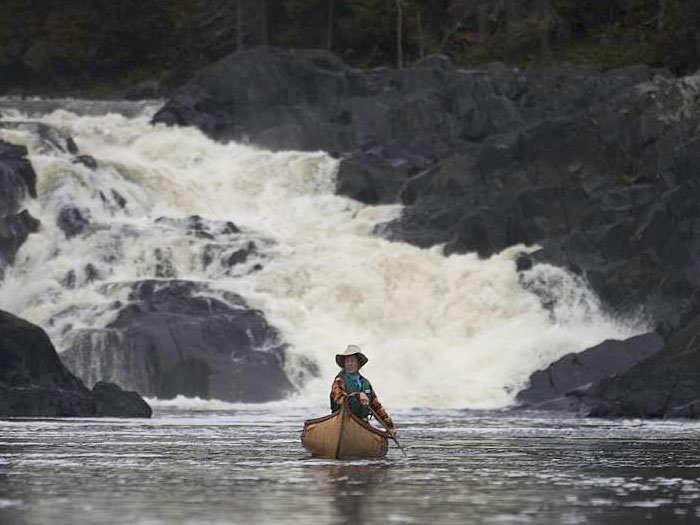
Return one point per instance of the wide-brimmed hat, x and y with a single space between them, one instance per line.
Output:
352 350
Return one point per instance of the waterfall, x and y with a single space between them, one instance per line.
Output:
439 331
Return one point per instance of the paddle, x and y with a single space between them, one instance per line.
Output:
382 423
391 435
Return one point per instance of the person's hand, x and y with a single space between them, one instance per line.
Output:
364 399
392 432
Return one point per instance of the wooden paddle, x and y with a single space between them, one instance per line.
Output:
391 435
381 421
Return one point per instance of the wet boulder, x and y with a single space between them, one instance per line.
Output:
239 256
86 160
112 401
665 385
17 182
370 178
182 338
573 371
14 230
71 146
72 220
35 383
17 178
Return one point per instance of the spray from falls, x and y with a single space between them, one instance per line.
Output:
169 203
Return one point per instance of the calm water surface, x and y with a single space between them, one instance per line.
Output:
247 466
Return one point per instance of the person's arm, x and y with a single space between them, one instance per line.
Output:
379 409
337 391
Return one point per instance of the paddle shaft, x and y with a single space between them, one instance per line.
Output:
343 417
387 429
381 421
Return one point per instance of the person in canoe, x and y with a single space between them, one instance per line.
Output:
349 380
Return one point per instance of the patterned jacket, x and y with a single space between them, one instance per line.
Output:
338 391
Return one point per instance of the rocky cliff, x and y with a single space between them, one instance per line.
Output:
597 168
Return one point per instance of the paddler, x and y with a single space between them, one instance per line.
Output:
349 381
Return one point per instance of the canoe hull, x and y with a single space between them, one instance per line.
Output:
341 435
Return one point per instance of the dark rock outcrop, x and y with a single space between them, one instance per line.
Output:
71 146
112 401
35 383
396 122
86 160
17 182
548 388
665 385
72 220
609 192
181 338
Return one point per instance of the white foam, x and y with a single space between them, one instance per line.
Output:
8 503
196 404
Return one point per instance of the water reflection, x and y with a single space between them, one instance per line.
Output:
355 490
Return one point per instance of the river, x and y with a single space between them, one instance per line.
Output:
218 463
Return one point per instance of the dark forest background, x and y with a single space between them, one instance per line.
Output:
99 46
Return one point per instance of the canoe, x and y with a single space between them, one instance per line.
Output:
342 435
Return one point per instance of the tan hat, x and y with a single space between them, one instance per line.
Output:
352 350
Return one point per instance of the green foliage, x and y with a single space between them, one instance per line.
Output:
678 42
88 43
64 40
365 33
609 47
601 34
303 23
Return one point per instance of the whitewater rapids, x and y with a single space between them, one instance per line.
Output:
441 332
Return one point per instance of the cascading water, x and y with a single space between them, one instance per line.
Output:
439 331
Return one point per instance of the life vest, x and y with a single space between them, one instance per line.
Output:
353 402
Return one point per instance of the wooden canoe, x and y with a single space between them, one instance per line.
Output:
342 435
